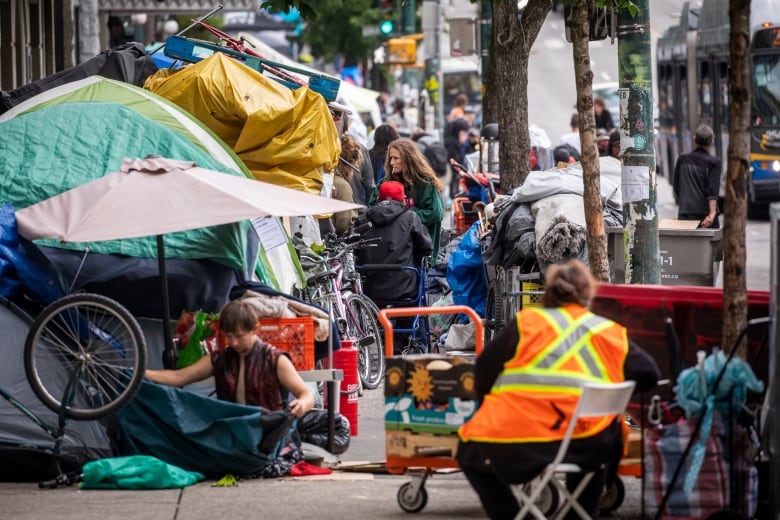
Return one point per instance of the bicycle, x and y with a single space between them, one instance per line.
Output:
99 354
339 288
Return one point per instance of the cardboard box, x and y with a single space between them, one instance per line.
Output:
429 393
406 444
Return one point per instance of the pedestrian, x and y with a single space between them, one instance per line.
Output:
613 147
696 181
555 349
398 118
602 115
458 109
350 162
456 135
383 136
363 182
573 137
406 164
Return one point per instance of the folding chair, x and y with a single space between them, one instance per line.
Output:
597 400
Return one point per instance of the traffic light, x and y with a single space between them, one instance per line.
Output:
386 18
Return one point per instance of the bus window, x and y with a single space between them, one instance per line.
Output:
766 89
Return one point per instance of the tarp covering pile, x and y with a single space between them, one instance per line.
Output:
284 136
127 63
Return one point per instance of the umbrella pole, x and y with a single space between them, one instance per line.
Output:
169 355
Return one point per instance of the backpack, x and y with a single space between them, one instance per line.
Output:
435 153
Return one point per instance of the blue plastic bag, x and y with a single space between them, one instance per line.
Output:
466 273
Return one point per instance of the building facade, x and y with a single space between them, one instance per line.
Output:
41 37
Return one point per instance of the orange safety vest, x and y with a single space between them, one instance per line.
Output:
535 395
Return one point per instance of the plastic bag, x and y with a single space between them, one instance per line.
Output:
461 336
199 338
136 472
313 428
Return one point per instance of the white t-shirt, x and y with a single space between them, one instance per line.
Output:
573 139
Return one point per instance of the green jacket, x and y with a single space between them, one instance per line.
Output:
429 207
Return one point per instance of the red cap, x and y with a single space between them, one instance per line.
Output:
393 190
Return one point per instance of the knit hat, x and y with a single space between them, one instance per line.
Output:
393 190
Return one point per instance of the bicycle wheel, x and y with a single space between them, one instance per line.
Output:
362 326
87 346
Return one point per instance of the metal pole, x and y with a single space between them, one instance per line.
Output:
432 28
486 25
408 16
640 215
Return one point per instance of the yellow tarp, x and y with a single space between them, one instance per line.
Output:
284 136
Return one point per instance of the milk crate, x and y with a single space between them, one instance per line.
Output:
293 335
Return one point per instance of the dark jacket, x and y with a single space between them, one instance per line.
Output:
428 205
405 241
696 181
363 183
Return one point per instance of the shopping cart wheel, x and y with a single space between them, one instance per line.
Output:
612 497
410 501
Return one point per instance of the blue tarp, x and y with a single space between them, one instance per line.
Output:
466 273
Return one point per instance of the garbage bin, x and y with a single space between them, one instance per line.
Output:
688 256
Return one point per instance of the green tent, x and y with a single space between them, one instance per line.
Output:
56 148
279 266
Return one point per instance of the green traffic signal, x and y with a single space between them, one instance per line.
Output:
386 27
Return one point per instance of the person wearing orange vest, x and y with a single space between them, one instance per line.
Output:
529 379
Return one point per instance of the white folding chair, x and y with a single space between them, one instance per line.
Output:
597 400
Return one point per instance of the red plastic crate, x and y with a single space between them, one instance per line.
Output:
293 335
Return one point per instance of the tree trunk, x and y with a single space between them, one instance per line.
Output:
594 215
510 47
734 277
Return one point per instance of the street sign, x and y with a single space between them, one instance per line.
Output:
370 30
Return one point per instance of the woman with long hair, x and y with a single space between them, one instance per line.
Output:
406 164
349 164
383 136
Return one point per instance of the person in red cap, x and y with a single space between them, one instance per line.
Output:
404 241
405 163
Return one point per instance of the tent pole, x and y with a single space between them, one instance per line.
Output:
169 356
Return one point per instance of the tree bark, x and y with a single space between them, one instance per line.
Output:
511 43
591 173
735 214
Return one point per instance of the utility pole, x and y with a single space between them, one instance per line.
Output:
640 197
485 25
408 17
431 22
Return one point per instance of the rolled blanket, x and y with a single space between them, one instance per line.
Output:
561 230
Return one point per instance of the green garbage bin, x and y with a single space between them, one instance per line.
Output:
688 256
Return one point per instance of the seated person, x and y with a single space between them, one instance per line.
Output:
249 371
517 429
404 241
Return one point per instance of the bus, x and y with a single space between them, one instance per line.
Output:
692 61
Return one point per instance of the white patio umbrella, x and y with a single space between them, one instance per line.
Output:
154 196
